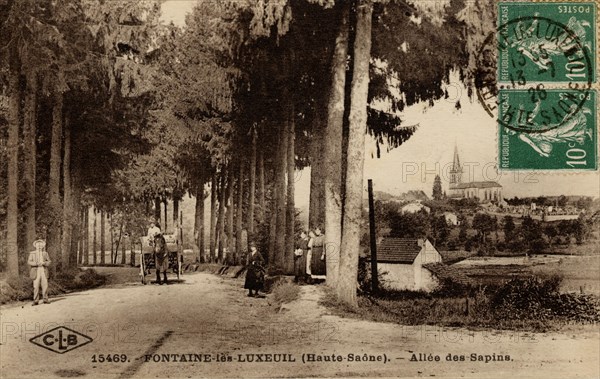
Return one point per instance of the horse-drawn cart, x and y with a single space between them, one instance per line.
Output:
174 255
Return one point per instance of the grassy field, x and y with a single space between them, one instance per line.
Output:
518 293
579 273
529 302
588 248
474 311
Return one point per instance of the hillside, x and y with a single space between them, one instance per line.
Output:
412 195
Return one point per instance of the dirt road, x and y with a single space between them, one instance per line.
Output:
207 318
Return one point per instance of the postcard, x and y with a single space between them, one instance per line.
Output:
306 189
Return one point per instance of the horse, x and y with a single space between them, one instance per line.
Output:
161 257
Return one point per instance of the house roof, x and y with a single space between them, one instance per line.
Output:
488 184
398 250
443 271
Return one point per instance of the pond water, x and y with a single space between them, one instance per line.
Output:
525 261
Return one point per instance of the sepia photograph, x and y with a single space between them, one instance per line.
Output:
299 189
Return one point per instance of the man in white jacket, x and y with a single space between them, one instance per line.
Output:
39 260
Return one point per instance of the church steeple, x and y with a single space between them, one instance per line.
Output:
456 170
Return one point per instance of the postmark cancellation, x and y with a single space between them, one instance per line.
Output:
546 76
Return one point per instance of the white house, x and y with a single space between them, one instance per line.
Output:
402 260
414 207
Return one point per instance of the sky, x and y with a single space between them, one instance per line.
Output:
414 164
175 11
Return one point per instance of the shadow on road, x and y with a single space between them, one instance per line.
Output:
171 282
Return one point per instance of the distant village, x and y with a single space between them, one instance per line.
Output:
420 236
552 208
489 196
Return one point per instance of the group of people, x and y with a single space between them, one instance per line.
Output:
309 256
309 262
39 261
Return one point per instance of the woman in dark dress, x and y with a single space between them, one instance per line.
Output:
318 254
301 249
255 273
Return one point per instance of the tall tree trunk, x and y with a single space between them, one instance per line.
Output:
166 203
12 217
113 250
221 217
81 238
86 236
116 243
157 211
54 229
213 216
291 206
29 152
273 227
230 211
333 153
76 235
316 207
176 200
199 222
261 186
131 251
102 237
252 185
356 148
123 252
275 194
67 199
279 262
75 204
80 259
239 213
95 235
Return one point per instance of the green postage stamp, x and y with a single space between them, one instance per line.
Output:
554 134
546 71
